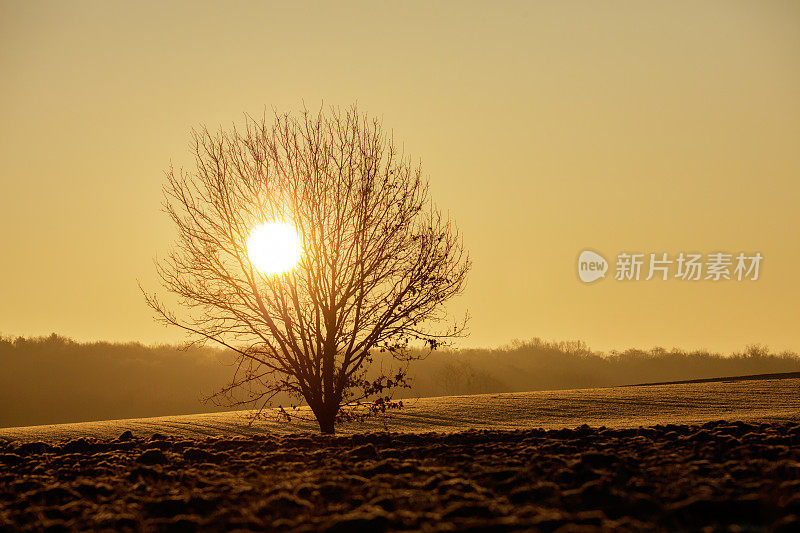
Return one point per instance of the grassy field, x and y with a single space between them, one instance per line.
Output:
764 400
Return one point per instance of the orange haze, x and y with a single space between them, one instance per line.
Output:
545 129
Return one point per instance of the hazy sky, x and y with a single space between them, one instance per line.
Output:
545 129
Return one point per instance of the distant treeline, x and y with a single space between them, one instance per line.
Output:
540 365
53 379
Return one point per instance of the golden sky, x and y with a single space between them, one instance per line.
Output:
545 129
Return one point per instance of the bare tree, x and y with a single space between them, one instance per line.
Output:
378 260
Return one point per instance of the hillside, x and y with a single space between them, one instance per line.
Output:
54 379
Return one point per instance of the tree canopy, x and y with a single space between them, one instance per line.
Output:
378 259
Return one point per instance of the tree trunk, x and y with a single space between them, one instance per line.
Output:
326 423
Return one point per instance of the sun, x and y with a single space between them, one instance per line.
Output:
274 247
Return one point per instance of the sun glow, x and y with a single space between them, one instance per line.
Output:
274 247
